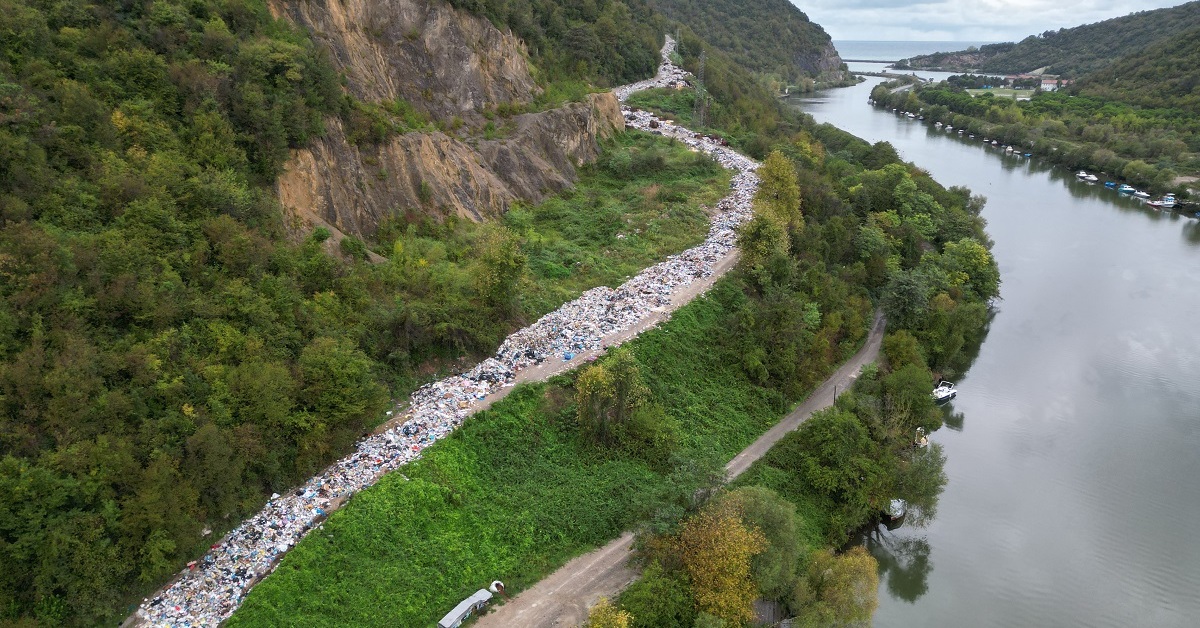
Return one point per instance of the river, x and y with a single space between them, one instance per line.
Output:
1074 444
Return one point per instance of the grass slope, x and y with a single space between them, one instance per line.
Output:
515 492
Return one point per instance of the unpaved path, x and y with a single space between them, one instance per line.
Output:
563 597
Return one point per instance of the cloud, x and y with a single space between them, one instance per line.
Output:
961 20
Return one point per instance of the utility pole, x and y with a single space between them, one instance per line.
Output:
701 102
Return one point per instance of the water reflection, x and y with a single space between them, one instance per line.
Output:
904 563
1054 515
1191 232
951 419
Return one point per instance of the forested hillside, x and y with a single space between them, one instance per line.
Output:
1165 75
1074 52
609 41
168 358
771 37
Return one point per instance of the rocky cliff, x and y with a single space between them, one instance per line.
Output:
448 64
352 188
443 61
825 64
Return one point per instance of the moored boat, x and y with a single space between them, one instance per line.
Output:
1126 189
945 391
1110 185
1083 175
1141 194
1166 202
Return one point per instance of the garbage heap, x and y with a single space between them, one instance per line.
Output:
210 589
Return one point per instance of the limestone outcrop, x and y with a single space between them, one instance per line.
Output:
452 66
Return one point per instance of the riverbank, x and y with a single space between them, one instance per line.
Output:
564 597
520 488
1148 148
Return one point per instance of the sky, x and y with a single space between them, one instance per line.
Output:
962 20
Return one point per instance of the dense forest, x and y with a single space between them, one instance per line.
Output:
167 357
770 37
606 42
1074 52
1163 76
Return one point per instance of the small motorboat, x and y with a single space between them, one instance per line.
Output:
1141 194
1112 185
945 391
896 510
1166 202
1126 189
1083 175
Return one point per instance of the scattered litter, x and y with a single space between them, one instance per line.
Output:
209 590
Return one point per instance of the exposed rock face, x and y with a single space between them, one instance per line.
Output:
448 64
353 188
826 65
443 61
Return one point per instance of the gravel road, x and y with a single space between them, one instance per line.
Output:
563 597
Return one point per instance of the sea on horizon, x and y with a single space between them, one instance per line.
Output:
861 50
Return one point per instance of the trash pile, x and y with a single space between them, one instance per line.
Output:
669 75
209 590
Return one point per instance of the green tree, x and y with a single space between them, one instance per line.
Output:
778 193
716 548
837 590
901 348
608 394
500 264
774 569
659 599
976 265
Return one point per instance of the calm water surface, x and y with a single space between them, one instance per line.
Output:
1074 444
896 50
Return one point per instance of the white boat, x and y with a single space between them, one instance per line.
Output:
1083 175
945 391
896 510
937 125
1166 202
1141 194
1126 189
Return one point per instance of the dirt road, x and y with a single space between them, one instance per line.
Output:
563 597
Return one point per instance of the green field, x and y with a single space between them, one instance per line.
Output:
1003 92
